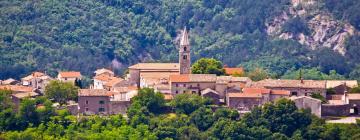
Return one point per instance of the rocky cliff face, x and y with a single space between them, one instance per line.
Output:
325 30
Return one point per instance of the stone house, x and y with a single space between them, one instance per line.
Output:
341 86
212 94
104 71
69 76
37 80
296 87
101 101
252 97
225 84
17 97
19 92
306 102
94 101
354 102
161 70
104 81
191 83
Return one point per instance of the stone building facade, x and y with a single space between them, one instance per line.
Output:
296 87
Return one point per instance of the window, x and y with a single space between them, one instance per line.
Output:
198 85
177 85
193 92
101 102
294 93
176 92
86 102
65 78
184 85
184 91
184 57
185 48
101 109
86 109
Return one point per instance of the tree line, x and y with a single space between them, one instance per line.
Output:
187 116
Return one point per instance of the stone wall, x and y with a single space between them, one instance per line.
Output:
335 110
305 102
119 107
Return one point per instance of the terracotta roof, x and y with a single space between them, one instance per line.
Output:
95 92
280 92
193 78
255 91
335 83
113 81
103 70
271 83
35 75
70 74
125 89
8 81
242 95
25 94
354 96
231 79
17 88
231 71
103 77
156 66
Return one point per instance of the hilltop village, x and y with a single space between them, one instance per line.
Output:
111 94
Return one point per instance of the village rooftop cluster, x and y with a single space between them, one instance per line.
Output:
110 94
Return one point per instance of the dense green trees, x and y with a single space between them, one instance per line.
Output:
280 120
61 91
187 103
63 35
208 66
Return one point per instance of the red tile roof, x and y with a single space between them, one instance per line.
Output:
179 78
244 95
256 91
280 92
193 78
103 77
95 92
113 81
272 83
17 88
70 74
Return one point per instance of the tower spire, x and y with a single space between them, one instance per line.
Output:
184 38
184 53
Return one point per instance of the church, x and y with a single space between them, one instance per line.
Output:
176 78
149 74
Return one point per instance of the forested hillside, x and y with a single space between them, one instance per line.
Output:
50 35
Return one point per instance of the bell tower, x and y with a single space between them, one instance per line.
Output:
184 53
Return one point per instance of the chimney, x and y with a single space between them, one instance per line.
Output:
302 80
